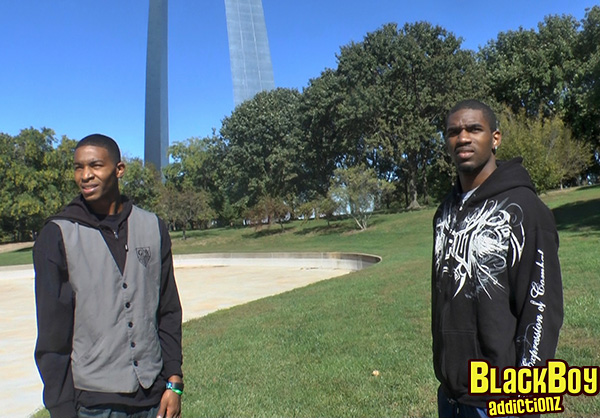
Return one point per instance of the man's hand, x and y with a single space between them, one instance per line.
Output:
170 403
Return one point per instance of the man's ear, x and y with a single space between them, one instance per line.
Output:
496 138
120 169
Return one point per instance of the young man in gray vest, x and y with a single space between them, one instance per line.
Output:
108 310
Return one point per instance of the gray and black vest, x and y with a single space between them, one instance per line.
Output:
115 339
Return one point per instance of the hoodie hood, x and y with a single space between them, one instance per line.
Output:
79 211
509 175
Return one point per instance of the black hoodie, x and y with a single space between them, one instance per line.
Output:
55 309
496 281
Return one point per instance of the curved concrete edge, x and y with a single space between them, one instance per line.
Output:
322 260
19 369
317 260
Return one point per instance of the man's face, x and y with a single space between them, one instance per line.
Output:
97 175
470 140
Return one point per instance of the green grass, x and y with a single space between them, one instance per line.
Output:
14 258
312 351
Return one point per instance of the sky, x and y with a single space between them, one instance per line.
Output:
78 66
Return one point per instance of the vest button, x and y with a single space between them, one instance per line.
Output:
127 305
124 285
132 345
135 363
130 325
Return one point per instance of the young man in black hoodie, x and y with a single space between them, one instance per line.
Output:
108 310
496 281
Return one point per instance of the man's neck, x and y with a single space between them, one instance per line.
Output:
474 179
111 207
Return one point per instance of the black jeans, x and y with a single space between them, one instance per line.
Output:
449 408
117 411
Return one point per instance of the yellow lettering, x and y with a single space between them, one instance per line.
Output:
539 380
494 381
524 379
574 381
556 376
509 406
528 405
500 408
590 377
509 378
520 409
557 404
492 409
478 371
541 404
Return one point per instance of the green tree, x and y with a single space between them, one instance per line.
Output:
396 86
358 191
583 113
269 209
194 164
320 207
533 70
37 180
59 170
261 149
185 209
550 153
197 166
326 146
141 183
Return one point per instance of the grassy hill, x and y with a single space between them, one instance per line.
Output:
312 351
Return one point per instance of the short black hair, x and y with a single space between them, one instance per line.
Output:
99 140
473 104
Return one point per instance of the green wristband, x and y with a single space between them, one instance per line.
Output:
175 387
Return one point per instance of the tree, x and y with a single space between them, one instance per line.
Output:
358 191
185 209
533 70
261 149
552 71
583 113
194 164
326 147
37 179
141 183
269 209
321 207
395 88
550 153
198 165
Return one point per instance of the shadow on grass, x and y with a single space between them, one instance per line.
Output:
593 186
578 216
267 231
332 229
341 226
195 233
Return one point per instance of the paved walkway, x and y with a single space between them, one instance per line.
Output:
205 285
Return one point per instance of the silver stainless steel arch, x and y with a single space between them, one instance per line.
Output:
250 58
249 54
156 136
